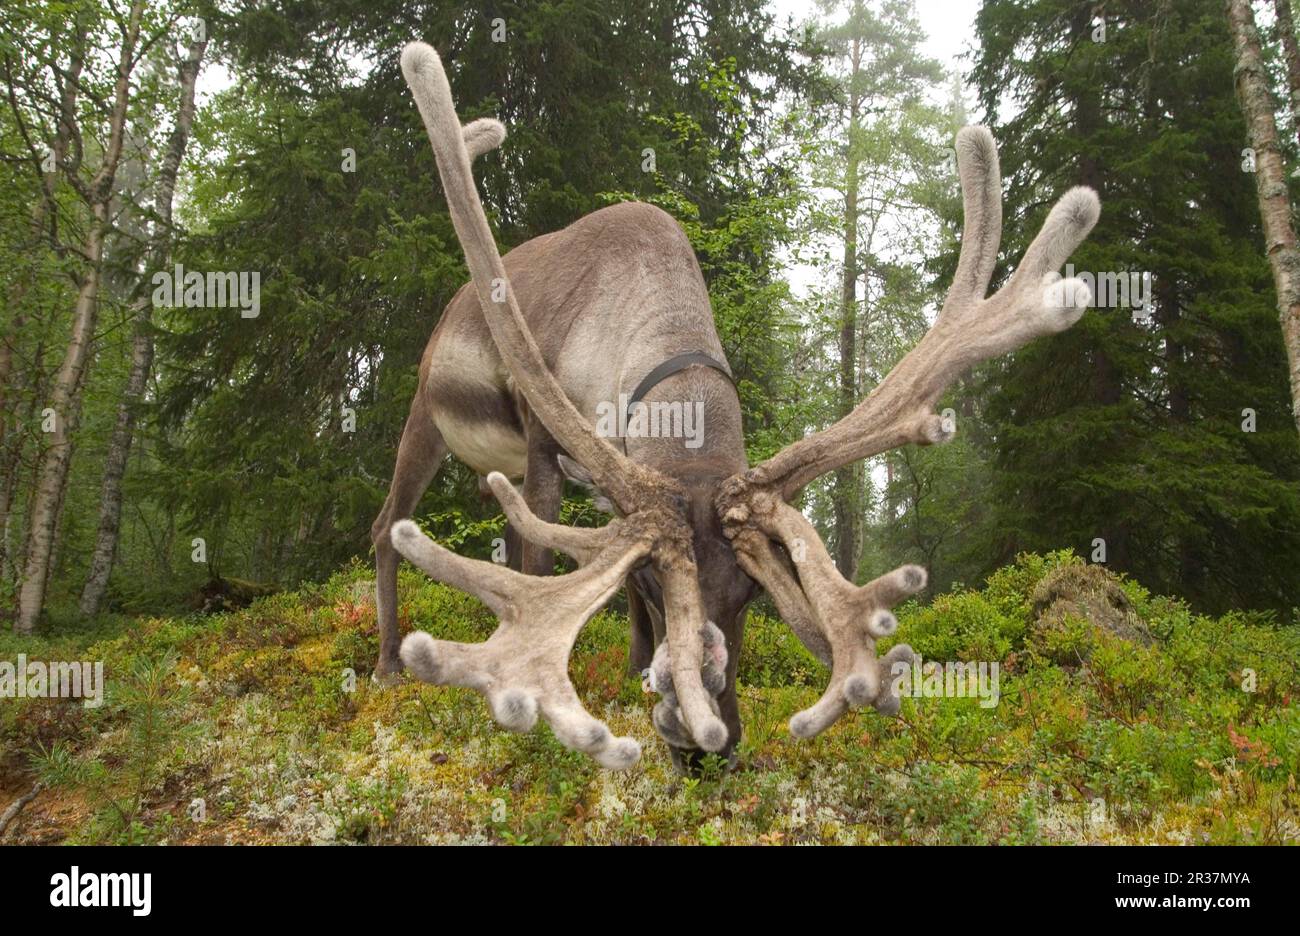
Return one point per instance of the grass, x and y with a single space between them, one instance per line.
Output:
262 726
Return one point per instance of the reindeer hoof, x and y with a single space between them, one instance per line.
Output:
389 679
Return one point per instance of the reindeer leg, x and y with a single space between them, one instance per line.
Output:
543 492
641 648
419 455
514 548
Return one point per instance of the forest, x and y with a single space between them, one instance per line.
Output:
224 247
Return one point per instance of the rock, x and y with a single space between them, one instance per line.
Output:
228 594
1074 602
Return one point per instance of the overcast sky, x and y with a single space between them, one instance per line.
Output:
950 25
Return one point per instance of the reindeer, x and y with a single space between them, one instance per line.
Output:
615 304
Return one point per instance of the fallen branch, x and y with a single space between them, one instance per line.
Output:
17 806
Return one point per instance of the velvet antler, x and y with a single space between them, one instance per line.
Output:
970 328
654 523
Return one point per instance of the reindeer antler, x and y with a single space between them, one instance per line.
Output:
523 667
621 479
582 544
540 617
970 328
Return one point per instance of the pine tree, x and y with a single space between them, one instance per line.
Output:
888 136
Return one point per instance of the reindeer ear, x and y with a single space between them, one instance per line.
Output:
582 477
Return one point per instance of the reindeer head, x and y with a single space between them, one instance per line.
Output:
713 532
725 590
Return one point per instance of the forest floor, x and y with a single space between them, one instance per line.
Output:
1121 718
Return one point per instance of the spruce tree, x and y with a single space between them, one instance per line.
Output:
1157 439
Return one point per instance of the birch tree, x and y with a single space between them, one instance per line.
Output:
95 189
1291 55
142 346
1270 184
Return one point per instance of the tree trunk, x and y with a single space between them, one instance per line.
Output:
65 394
1291 53
142 349
1270 184
11 466
41 212
847 498
53 472
11 445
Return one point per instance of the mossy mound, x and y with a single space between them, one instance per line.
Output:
1073 603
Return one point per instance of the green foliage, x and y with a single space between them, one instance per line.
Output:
1132 431
142 750
774 657
1192 739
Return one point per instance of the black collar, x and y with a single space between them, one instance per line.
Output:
671 366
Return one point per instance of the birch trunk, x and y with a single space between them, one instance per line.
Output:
1291 53
11 444
64 396
1270 184
142 347
41 211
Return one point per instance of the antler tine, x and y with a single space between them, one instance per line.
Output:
970 328
581 543
850 619
522 668
617 476
758 556
482 136
686 629
981 189
494 585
